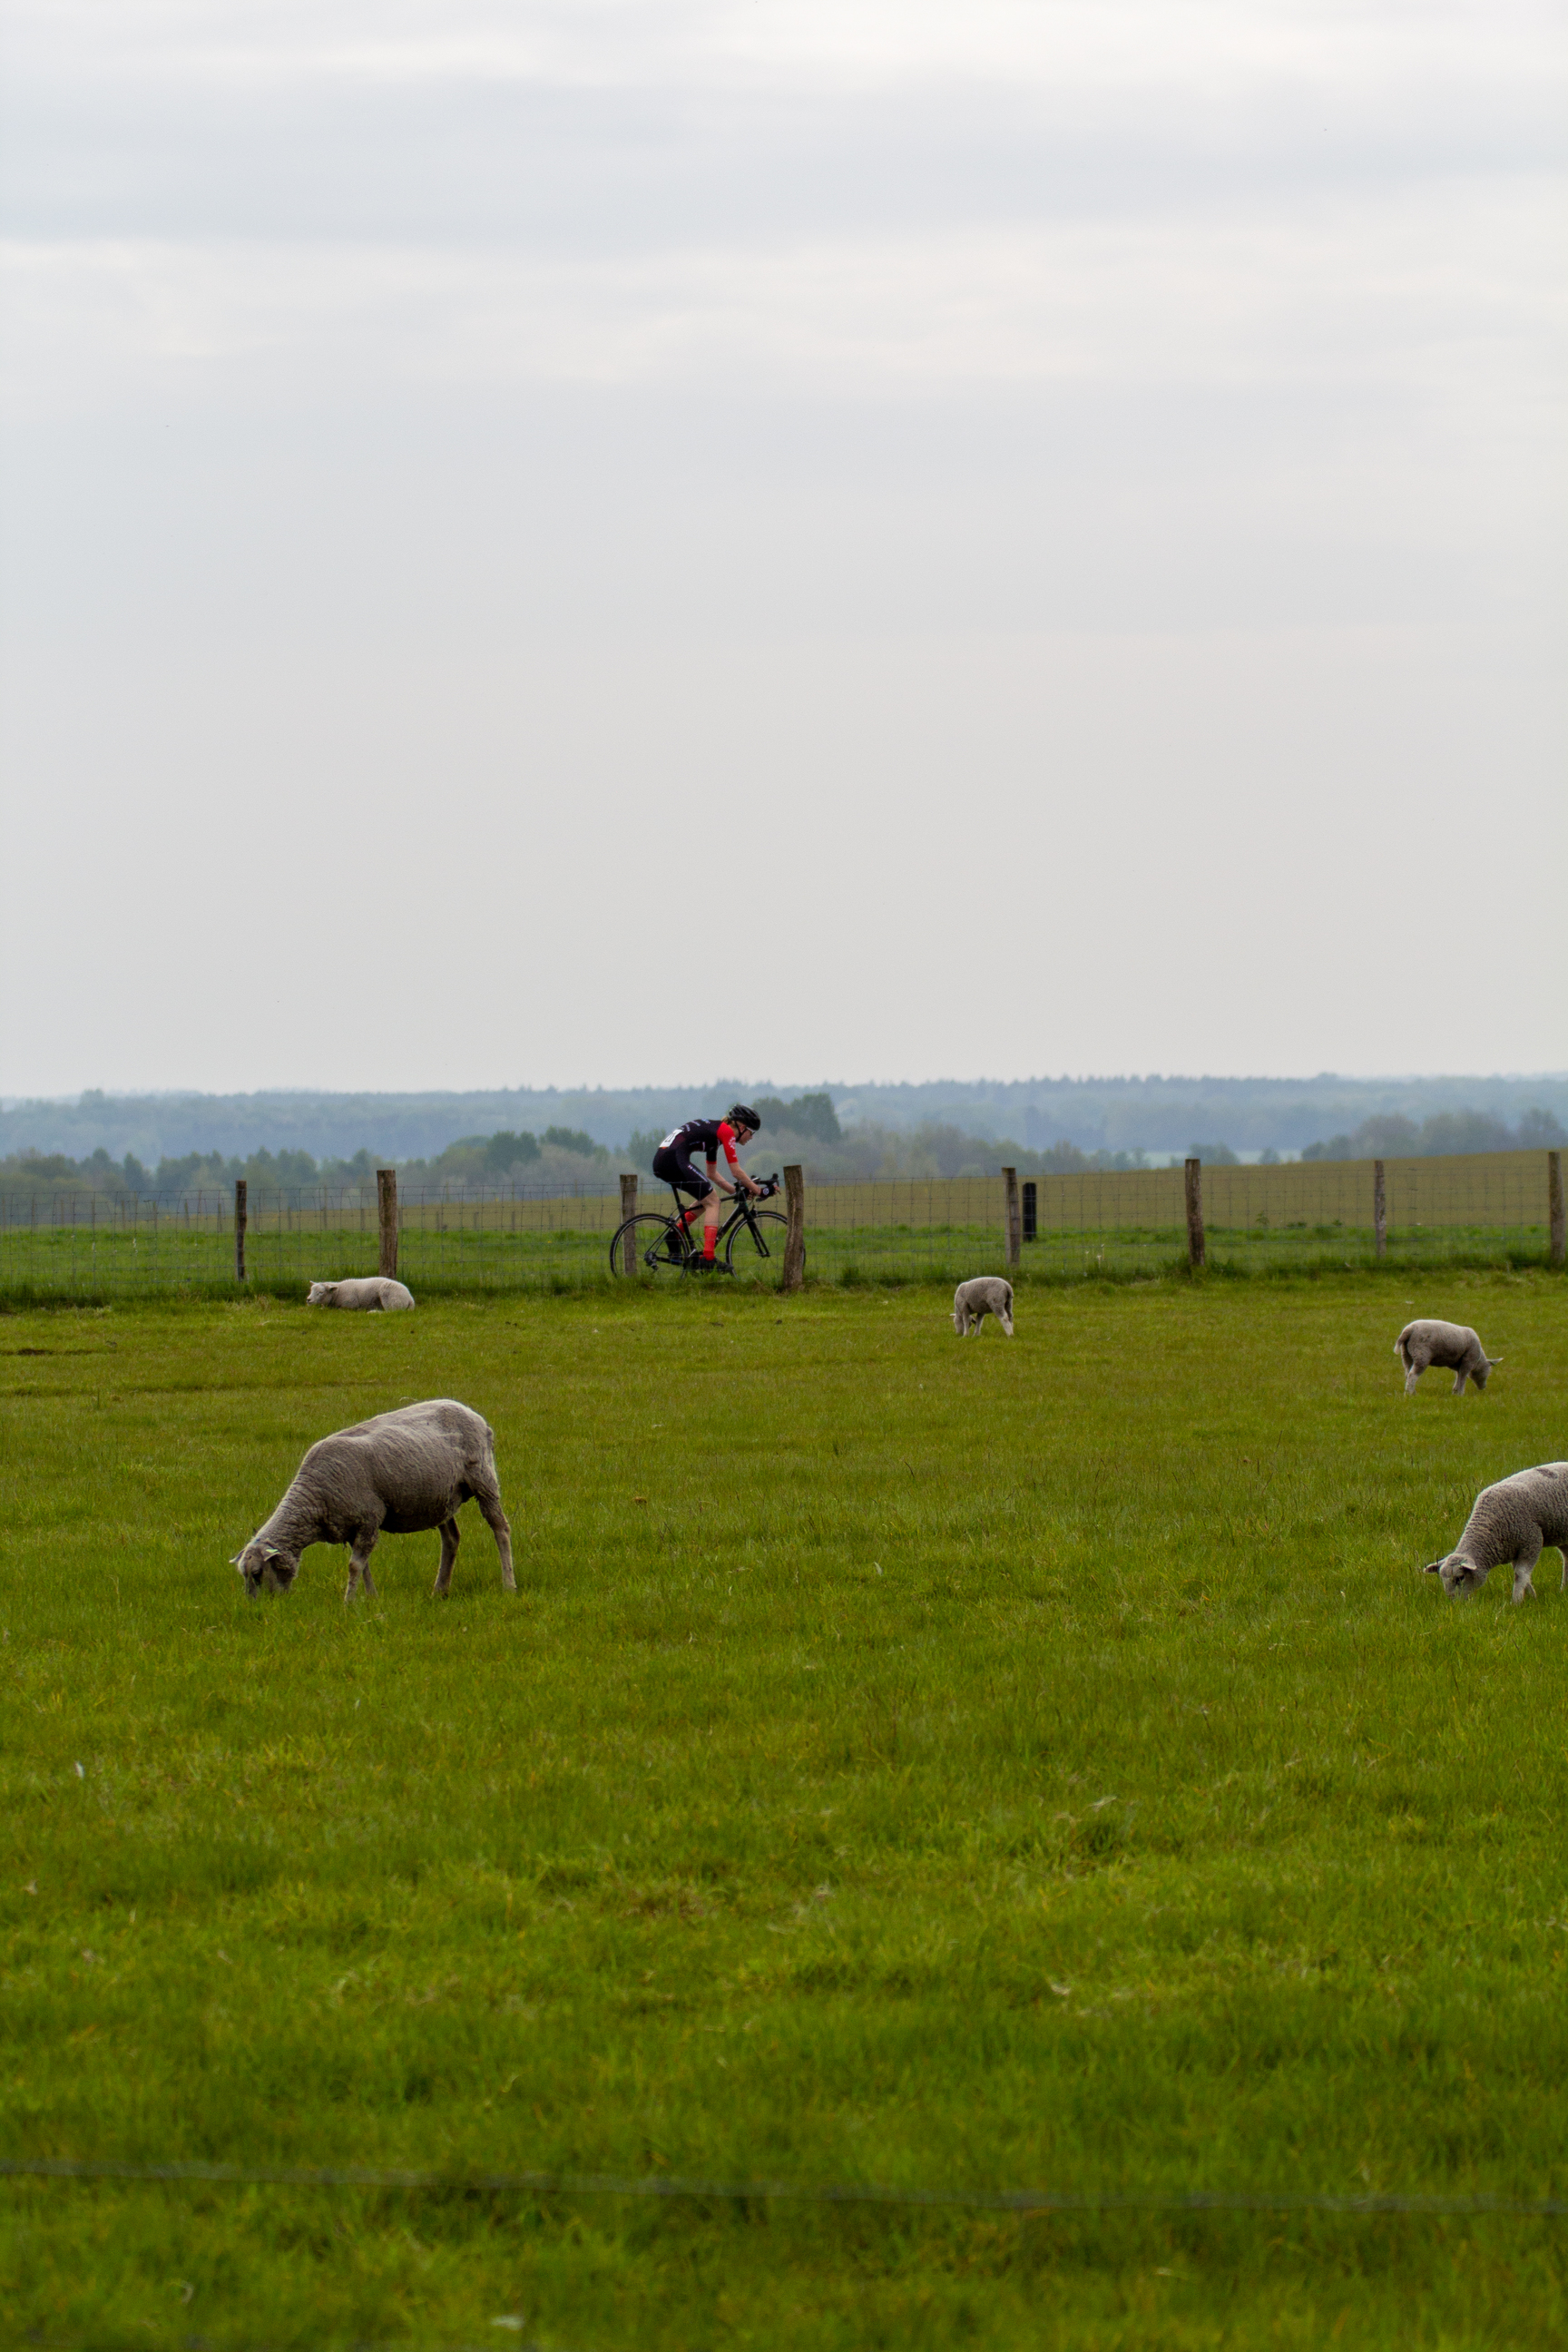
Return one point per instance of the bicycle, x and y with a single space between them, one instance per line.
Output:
651 1243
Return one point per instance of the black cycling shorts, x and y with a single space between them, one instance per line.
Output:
672 1168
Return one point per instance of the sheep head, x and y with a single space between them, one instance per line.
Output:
1458 1574
321 1294
266 1568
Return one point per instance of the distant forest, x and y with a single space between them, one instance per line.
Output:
163 1144
806 1128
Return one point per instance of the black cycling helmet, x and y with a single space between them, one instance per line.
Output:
739 1116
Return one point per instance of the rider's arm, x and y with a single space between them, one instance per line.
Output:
727 1137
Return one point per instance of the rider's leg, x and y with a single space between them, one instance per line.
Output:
691 1180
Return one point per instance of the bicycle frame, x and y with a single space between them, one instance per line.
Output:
663 1242
739 1214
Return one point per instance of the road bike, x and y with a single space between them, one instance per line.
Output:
750 1238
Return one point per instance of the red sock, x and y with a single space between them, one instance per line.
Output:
709 1236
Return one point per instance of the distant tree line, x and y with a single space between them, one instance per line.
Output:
806 1130
1156 1115
1391 1136
510 1158
561 1152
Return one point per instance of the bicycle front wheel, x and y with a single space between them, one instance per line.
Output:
758 1243
648 1244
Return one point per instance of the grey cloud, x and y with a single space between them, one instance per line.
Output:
153 141
532 438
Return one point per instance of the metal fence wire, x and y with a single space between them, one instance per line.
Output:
1497 1209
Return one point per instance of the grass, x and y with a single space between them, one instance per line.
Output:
975 1766
72 1264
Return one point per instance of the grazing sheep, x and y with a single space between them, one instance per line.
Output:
973 1301
1515 1520
1453 1347
397 1474
366 1290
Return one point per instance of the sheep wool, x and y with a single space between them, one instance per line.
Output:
367 1291
972 1301
397 1474
1453 1347
1515 1520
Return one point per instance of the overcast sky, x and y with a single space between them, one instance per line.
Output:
601 543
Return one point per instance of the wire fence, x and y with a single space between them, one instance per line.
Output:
1496 1209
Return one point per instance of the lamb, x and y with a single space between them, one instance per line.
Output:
1514 1520
1453 1347
368 1290
973 1301
399 1474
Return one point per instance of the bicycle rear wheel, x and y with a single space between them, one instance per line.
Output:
756 1253
648 1244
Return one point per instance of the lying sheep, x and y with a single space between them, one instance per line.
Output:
1453 1347
1516 1519
367 1291
397 1474
973 1301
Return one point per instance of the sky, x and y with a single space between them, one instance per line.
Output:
603 543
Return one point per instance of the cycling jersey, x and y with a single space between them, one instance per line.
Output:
701 1134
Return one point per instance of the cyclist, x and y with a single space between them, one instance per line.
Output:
674 1164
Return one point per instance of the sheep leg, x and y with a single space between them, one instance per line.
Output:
501 1528
1459 1384
1005 1321
1411 1374
978 1320
359 1563
1524 1560
449 1536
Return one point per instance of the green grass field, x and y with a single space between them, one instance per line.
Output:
956 1767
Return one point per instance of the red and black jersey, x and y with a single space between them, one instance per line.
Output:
704 1135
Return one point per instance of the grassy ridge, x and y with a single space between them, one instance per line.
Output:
930 1764
65 1263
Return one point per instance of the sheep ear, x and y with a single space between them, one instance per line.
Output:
236 1560
1432 1567
272 1552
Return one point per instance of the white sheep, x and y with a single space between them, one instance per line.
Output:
1516 1520
1452 1347
397 1474
987 1294
363 1290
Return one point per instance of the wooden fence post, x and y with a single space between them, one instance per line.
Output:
387 1205
1010 1187
1195 1190
1379 1208
241 1194
794 1237
629 1208
1554 1205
